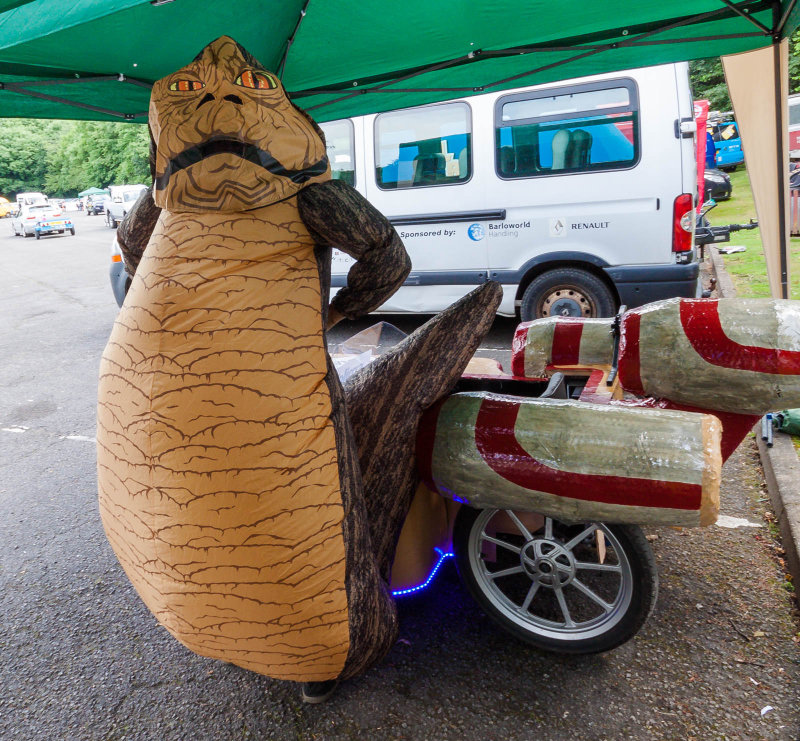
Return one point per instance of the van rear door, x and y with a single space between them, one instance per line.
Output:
688 143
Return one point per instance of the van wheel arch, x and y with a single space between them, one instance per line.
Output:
596 294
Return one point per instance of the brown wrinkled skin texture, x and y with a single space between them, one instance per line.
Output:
230 481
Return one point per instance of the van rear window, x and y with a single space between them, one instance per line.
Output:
583 128
339 140
423 146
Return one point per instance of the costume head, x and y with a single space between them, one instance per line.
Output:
226 137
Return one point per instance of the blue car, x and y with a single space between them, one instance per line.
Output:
53 222
728 144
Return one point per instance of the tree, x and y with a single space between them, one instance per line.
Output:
708 78
63 158
708 82
24 153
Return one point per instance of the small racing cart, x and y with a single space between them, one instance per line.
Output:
55 225
538 482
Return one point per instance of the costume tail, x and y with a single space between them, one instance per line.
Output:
385 401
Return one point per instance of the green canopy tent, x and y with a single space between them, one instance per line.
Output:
92 192
96 59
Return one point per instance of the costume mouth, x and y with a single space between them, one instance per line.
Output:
245 150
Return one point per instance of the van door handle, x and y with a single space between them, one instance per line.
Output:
685 128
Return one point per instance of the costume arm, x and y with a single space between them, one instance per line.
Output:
338 216
135 230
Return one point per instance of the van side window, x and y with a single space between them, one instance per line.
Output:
583 128
340 141
423 146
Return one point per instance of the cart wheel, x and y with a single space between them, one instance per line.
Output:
569 589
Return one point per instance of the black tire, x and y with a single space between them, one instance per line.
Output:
38 236
628 583
72 231
567 292
111 221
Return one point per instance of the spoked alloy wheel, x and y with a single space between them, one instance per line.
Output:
574 589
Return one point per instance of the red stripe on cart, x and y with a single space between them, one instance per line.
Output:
518 350
628 365
703 328
497 444
593 392
567 341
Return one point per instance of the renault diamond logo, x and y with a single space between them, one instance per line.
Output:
558 227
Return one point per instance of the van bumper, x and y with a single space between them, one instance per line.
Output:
641 284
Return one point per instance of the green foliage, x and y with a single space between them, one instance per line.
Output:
62 158
708 82
708 79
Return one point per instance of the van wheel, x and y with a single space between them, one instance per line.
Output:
566 292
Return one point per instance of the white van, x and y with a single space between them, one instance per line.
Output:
577 196
31 199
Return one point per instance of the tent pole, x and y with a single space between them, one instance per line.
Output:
779 93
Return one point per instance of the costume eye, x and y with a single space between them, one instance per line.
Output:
186 85
257 80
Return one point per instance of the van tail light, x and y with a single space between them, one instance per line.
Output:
683 223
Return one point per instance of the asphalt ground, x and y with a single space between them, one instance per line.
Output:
82 658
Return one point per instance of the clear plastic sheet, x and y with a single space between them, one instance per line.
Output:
362 348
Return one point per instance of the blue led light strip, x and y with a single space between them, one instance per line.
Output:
420 587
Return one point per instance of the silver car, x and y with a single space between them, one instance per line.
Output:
24 222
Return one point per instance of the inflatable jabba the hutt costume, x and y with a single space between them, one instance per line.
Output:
255 516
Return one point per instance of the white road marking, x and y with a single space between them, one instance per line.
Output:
15 428
81 438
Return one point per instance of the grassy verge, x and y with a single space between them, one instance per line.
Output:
749 269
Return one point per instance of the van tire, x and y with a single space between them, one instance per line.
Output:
566 292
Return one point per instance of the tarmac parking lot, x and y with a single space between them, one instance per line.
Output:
84 659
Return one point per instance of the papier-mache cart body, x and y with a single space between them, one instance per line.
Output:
624 420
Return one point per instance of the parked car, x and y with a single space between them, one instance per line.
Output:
728 144
95 205
54 223
23 222
6 207
122 199
40 220
120 279
717 185
31 199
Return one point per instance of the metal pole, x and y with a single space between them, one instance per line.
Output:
782 165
